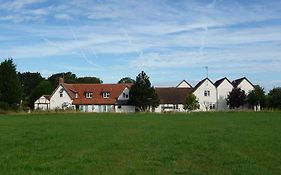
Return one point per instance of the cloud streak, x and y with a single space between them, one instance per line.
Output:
151 35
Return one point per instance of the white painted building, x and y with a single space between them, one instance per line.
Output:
206 91
91 97
244 84
224 86
42 103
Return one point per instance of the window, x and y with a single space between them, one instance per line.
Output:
61 93
206 93
89 94
212 106
125 95
76 95
106 95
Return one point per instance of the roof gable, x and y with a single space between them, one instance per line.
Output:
238 81
201 82
220 81
183 84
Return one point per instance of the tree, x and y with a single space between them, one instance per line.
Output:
142 94
44 87
67 76
10 87
28 82
236 98
256 97
126 80
88 80
275 98
191 103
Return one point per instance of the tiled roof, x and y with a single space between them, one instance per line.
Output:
97 89
172 95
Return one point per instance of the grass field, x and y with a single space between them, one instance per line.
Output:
196 143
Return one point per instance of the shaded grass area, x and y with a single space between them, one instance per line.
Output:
196 143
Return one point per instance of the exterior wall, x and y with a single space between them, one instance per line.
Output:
124 95
169 108
222 91
246 86
42 103
97 108
206 101
56 101
125 108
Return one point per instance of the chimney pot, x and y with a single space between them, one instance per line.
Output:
61 80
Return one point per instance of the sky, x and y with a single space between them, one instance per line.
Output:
170 40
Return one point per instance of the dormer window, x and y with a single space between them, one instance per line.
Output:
89 94
76 95
105 94
206 93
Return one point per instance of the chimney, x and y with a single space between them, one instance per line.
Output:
61 80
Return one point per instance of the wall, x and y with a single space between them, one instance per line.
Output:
205 101
169 108
246 86
56 101
125 108
42 103
222 92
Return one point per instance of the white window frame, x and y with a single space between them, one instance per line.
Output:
106 94
207 93
89 95
61 92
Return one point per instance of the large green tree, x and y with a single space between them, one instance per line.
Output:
68 77
43 88
274 98
10 87
191 102
29 81
126 80
236 98
256 97
88 80
142 94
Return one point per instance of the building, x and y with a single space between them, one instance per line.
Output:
90 97
244 84
224 86
115 97
43 103
171 99
206 93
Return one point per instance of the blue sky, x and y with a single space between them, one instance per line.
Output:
170 40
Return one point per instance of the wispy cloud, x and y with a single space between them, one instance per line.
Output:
150 35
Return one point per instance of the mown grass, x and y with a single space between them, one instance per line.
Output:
196 143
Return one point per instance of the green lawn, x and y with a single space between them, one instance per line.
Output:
197 143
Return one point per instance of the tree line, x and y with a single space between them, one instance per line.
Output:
20 90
